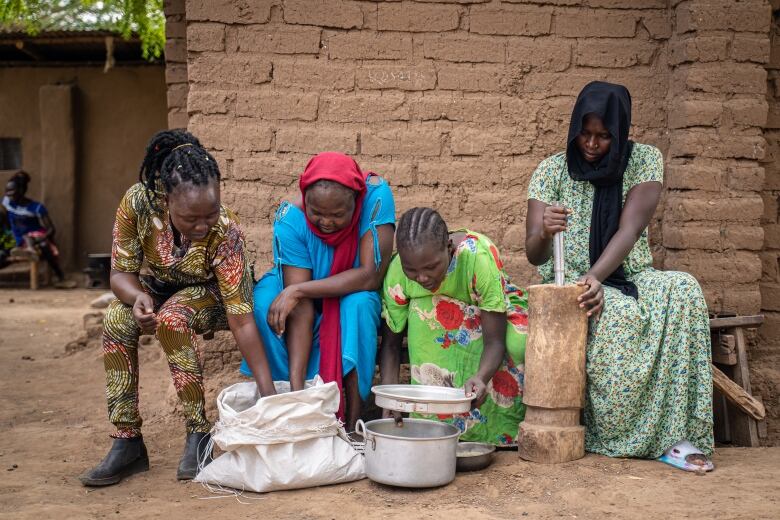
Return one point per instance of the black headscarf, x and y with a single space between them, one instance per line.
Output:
612 103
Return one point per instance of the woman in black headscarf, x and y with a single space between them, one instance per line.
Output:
649 390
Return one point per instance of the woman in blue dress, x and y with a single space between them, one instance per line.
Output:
318 309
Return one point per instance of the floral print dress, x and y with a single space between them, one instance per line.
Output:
648 360
444 334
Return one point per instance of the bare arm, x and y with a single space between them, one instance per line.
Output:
126 286
251 346
48 225
494 350
365 277
390 364
640 205
390 355
297 324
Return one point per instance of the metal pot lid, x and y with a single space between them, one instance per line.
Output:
422 398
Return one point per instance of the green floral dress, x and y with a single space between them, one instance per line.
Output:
648 360
445 335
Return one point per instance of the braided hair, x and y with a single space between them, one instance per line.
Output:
173 157
420 226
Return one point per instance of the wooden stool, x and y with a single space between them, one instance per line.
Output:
733 423
38 268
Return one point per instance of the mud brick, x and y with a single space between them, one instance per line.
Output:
396 77
278 105
205 37
369 46
510 20
278 39
363 108
414 17
314 139
324 13
230 11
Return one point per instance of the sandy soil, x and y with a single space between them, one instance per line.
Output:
53 425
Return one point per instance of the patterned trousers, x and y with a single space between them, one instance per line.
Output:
193 310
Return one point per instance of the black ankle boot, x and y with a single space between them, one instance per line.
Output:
194 450
126 456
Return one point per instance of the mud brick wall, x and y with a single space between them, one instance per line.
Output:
766 355
717 110
176 62
712 222
456 101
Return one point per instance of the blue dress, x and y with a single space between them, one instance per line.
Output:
297 246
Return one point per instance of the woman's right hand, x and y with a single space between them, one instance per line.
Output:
281 307
143 313
399 419
554 221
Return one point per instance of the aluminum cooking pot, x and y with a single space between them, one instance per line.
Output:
419 454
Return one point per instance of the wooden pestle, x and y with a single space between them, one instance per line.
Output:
554 389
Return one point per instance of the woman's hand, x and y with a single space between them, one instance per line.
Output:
476 388
143 313
281 307
593 298
397 416
553 221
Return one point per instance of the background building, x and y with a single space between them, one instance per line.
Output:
76 111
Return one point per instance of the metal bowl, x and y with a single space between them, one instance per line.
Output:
474 456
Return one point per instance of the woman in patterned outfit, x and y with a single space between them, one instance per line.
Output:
464 320
649 390
173 222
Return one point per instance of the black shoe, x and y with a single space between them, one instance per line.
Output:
194 450
126 457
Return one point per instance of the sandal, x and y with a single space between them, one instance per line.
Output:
678 454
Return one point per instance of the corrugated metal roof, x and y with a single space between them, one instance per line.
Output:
15 34
67 47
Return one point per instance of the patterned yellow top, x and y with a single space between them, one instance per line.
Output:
143 232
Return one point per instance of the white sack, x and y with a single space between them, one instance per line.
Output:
286 441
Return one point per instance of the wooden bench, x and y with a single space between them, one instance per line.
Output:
738 415
39 269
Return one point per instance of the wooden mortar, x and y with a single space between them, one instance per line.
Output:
554 390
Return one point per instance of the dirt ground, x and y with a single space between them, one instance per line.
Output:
53 426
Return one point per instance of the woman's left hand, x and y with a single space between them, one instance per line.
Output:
593 298
281 307
477 390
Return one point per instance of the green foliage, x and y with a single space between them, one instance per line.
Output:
127 17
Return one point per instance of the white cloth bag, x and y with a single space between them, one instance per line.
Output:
286 441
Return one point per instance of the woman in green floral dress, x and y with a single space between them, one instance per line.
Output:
649 390
465 323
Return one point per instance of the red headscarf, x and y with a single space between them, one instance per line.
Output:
336 167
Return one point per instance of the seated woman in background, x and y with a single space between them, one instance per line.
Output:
31 225
465 323
173 223
318 309
649 390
